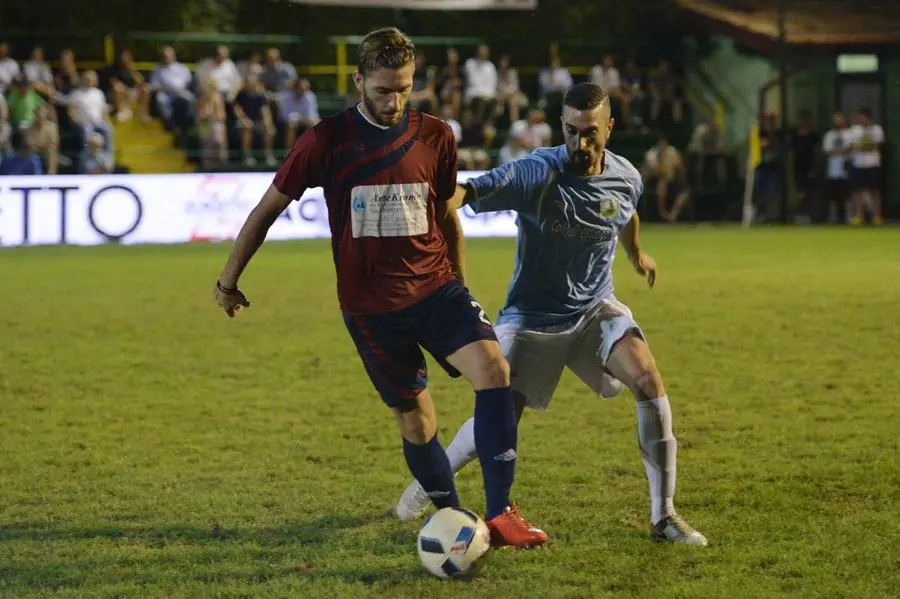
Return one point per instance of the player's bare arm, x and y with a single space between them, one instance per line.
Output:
451 227
631 243
251 237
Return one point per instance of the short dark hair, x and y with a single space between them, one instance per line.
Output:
585 96
386 48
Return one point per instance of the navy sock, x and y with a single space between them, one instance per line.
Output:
496 430
430 466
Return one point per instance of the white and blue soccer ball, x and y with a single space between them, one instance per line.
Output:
453 543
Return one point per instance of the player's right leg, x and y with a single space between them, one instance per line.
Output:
536 363
397 368
631 362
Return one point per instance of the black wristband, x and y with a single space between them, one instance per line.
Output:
224 289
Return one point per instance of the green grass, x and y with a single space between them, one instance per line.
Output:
150 446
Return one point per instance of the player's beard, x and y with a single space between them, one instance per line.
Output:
581 162
385 119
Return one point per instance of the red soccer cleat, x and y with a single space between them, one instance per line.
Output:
510 528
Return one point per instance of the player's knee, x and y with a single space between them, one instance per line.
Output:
416 427
493 374
648 384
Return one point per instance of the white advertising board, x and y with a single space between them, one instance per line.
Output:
132 209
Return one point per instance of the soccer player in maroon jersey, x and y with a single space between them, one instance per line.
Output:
388 173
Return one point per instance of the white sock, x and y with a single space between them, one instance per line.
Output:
461 450
658 447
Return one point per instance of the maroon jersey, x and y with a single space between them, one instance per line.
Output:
382 188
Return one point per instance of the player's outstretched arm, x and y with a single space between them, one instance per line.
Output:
252 235
631 242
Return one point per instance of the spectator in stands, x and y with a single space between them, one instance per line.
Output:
5 127
23 160
277 74
666 107
838 189
767 180
526 135
805 141
477 138
632 82
867 139
66 79
24 102
423 96
43 138
509 94
221 70
211 131
38 72
448 115
252 65
95 159
253 115
707 148
554 81
172 83
88 109
450 81
606 75
664 170
9 68
481 84
127 87
298 110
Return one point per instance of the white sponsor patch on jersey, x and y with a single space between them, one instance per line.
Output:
395 210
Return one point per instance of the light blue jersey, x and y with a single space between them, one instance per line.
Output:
568 228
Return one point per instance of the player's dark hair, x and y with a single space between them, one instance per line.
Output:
386 48
585 96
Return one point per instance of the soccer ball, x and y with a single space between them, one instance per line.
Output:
453 543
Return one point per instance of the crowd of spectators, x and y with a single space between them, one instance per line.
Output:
249 111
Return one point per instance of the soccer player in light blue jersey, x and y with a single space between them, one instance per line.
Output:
575 203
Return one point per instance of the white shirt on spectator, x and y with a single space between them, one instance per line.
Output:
837 163
456 128
667 162
9 68
292 107
559 79
608 79
534 135
89 104
481 79
171 78
38 71
225 74
866 158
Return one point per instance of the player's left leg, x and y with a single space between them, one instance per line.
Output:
461 337
631 362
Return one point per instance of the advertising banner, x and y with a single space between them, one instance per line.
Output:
132 209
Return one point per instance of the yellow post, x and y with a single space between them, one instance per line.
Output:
109 49
719 116
341 48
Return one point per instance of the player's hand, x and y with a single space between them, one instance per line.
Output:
646 267
230 300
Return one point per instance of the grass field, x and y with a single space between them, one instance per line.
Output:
150 446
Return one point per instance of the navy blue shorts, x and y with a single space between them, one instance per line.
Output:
390 344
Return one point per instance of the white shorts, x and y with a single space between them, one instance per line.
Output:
537 357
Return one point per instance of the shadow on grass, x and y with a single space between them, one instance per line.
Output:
252 556
310 533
